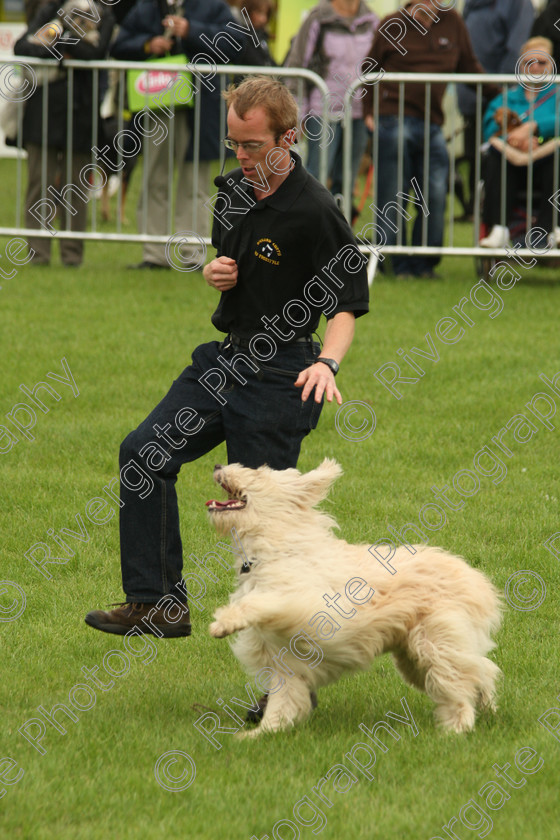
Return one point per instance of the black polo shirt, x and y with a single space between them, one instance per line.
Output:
296 257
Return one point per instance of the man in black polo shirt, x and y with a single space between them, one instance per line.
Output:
284 255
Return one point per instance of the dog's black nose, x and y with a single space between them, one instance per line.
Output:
217 466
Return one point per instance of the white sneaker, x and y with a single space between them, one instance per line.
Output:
113 185
497 238
554 238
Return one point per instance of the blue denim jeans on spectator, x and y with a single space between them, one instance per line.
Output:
434 193
334 150
263 421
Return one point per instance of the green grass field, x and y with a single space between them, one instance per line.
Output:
125 336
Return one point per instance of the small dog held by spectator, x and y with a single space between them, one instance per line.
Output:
310 608
507 118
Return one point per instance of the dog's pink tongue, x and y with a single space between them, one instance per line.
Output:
216 503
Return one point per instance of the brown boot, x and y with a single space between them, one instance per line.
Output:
144 618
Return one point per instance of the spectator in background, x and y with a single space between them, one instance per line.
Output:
235 10
437 43
333 41
31 7
533 106
59 112
545 27
119 8
146 32
497 29
259 12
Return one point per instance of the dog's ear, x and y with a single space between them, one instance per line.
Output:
315 485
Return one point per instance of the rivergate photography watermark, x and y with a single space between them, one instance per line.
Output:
23 416
466 482
341 777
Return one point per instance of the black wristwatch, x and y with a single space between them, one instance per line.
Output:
329 363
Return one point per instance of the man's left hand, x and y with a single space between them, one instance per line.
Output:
320 377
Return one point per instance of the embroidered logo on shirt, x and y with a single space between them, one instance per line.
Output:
268 251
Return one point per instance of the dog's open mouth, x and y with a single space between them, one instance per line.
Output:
235 501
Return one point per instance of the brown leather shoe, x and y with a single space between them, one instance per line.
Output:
145 618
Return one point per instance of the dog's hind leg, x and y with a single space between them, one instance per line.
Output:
410 670
287 706
453 675
455 709
489 673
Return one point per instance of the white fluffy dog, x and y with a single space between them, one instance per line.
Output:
313 608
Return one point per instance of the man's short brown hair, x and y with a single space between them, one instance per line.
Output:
268 93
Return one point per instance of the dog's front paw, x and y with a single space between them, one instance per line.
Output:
228 620
248 733
218 629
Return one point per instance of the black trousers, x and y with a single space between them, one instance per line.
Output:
515 182
258 413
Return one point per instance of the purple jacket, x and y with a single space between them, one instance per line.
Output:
345 44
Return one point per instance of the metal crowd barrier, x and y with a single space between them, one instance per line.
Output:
224 74
451 128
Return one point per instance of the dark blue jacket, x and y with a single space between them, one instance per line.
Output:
497 29
545 26
80 110
206 17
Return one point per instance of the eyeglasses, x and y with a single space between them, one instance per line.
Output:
251 146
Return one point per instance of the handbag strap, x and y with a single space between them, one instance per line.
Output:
537 103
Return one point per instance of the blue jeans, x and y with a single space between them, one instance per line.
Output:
334 150
413 167
263 421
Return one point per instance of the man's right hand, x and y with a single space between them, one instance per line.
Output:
160 45
221 273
